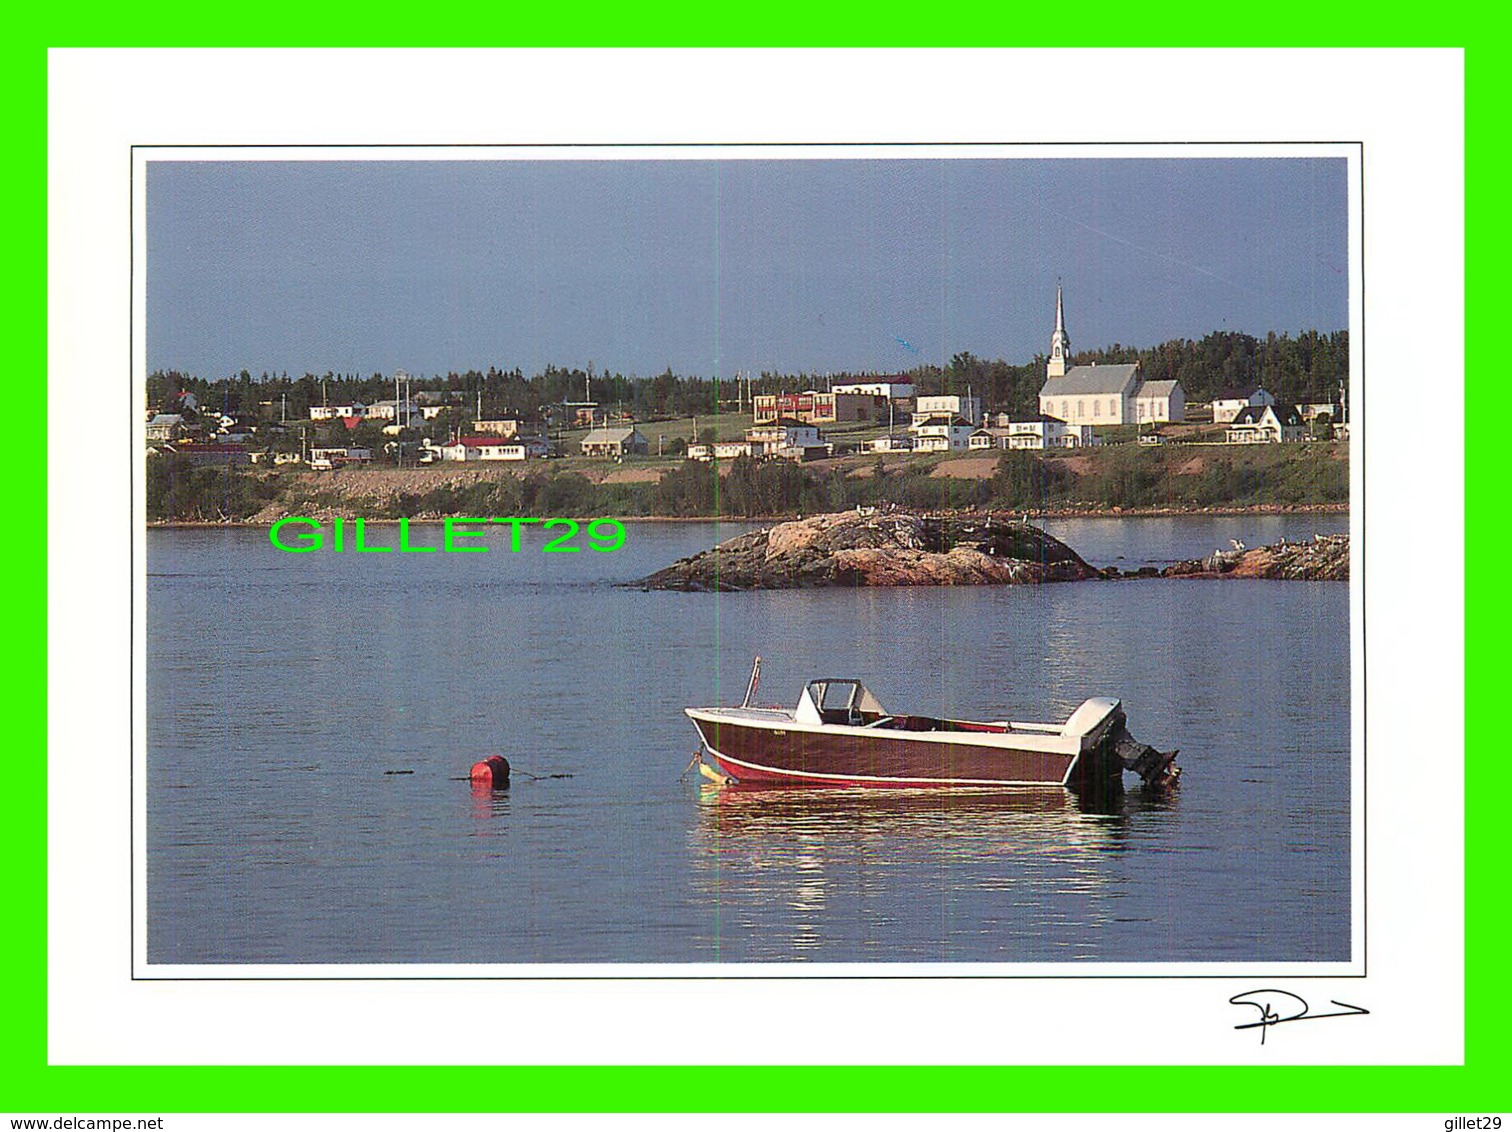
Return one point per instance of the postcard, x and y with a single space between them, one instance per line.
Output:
921 596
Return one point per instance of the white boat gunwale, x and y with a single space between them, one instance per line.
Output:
1045 738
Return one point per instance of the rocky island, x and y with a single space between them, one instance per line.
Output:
893 547
1324 558
880 547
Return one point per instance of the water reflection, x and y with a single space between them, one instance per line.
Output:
774 815
805 873
489 802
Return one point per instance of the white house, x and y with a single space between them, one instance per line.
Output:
771 439
496 428
615 442
941 432
1159 402
329 458
1313 410
1266 424
1049 432
723 450
892 390
331 412
165 426
950 404
985 439
468 448
1092 395
1227 405
893 442
402 411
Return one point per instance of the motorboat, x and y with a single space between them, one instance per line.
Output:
839 734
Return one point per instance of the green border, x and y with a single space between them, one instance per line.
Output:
27 1084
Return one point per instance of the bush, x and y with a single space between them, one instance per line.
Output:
177 490
1023 479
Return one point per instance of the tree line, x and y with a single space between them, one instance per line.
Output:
1306 368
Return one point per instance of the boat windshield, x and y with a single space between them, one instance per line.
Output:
844 701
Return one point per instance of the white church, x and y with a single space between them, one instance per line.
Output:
1102 395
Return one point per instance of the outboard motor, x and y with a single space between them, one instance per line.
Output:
1155 768
1108 749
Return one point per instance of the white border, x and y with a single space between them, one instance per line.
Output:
103 101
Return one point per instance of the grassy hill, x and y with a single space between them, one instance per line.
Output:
1116 478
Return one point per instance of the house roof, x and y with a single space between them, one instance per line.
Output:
1090 379
489 441
1287 415
1236 393
166 419
1158 388
609 436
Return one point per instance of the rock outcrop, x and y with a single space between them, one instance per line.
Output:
869 547
1323 559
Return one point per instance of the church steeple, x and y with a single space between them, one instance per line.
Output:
1060 341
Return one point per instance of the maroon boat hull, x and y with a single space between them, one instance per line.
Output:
751 753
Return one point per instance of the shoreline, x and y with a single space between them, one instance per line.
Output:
1036 515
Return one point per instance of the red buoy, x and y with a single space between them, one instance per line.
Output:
492 772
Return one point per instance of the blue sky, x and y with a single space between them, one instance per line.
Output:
717 266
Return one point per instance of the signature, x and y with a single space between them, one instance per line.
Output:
1289 1008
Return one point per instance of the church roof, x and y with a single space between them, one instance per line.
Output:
1158 388
1089 379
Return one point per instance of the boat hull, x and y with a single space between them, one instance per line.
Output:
854 757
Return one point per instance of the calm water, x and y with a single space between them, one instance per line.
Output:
282 687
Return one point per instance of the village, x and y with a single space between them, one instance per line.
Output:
1080 407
